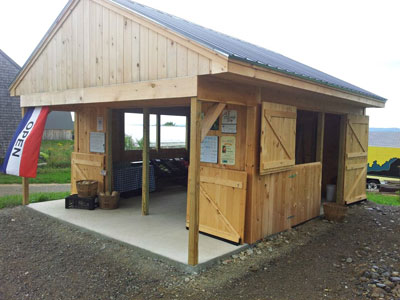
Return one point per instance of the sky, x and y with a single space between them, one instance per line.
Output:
357 41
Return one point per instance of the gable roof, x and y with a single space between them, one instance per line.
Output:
10 60
240 50
384 139
59 120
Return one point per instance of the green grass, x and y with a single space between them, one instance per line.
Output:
378 198
15 200
57 156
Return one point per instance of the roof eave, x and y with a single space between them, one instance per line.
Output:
264 72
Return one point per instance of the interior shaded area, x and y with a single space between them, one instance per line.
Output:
306 136
330 161
164 226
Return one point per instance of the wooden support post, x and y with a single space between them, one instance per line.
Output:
25 181
187 139
319 154
158 133
145 163
109 160
194 181
341 161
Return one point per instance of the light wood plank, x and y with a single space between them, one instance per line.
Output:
171 58
106 46
162 57
182 61
153 55
120 49
194 182
144 53
127 50
320 137
145 162
135 52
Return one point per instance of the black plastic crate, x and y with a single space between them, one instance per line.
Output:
74 201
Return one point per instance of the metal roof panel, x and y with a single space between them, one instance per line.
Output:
241 50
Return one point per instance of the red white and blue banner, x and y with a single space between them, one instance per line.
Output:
23 153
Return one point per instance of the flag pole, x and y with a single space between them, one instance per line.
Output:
25 181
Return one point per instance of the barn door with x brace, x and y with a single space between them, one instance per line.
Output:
278 137
355 158
222 203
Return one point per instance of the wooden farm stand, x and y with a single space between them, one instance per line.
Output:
291 135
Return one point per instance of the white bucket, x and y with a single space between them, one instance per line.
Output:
330 192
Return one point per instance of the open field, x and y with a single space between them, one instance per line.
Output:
57 168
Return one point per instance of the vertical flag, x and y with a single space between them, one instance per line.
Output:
23 152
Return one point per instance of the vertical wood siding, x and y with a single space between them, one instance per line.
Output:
96 46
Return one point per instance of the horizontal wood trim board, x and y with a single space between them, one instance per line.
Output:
281 114
87 162
355 166
224 182
222 234
357 198
356 154
147 90
278 164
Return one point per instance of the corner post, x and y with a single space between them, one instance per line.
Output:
194 181
25 181
145 163
320 137
109 159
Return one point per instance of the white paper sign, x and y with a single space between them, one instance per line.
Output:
228 128
97 142
209 150
229 117
100 121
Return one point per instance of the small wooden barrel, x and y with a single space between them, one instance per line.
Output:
335 212
86 188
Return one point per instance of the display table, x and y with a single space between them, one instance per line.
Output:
129 178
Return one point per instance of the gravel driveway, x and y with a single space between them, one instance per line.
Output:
41 258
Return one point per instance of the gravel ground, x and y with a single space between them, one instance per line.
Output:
41 258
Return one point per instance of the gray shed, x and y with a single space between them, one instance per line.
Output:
10 111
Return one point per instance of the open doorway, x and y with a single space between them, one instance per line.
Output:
330 161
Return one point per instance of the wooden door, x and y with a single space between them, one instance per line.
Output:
278 137
222 203
87 166
355 158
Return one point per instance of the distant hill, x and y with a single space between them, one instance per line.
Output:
384 129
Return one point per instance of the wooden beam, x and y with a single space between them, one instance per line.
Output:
146 90
210 118
25 181
109 160
194 181
341 160
320 137
145 163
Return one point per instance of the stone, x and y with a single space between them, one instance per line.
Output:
395 274
254 268
349 260
249 251
377 293
380 285
363 279
395 279
258 252
187 279
235 256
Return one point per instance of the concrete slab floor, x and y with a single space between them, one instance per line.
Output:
162 232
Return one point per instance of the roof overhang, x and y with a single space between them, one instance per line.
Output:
263 74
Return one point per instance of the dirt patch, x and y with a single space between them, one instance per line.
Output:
41 258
